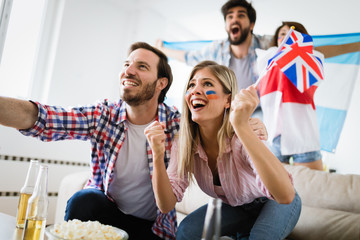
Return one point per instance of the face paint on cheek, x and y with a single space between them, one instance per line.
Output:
187 93
211 95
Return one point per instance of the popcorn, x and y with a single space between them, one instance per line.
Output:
76 229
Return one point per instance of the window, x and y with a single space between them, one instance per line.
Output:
5 9
20 30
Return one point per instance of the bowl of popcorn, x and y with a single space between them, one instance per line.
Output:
76 230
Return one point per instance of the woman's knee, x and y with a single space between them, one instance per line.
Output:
188 230
192 225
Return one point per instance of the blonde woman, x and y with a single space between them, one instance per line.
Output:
218 147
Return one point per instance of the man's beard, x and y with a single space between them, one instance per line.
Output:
145 95
243 36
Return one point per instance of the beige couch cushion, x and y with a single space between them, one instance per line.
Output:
327 190
319 223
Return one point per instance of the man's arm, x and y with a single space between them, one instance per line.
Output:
335 50
17 113
172 53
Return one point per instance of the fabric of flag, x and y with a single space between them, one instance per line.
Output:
341 73
333 98
288 87
289 112
297 61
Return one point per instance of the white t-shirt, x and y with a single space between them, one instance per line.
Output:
131 187
242 70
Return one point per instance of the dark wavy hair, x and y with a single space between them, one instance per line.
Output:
163 68
239 3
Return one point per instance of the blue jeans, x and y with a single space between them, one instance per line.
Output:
298 158
93 205
260 219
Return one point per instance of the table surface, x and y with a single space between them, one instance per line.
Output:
8 229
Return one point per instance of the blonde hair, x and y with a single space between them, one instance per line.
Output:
189 130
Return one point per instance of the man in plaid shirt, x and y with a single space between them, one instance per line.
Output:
119 191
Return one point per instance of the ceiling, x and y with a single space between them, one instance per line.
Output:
203 19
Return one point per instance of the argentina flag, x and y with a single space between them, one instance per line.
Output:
332 99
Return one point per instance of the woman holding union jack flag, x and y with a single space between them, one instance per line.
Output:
293 71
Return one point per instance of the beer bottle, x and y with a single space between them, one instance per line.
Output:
37 208
25 193
212 224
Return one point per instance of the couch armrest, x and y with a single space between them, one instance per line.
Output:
69 185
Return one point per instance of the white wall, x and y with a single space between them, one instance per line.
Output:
89 52
20 46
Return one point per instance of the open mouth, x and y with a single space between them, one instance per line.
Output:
196 104
235 29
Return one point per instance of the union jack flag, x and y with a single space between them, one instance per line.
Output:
296 60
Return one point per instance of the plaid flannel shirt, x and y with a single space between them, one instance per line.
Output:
104 124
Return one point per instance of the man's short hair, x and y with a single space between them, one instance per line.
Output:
239 3
163 68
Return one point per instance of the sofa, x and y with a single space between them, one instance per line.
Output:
330 203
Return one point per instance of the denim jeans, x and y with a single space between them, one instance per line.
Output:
305 157
93 205
260 219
